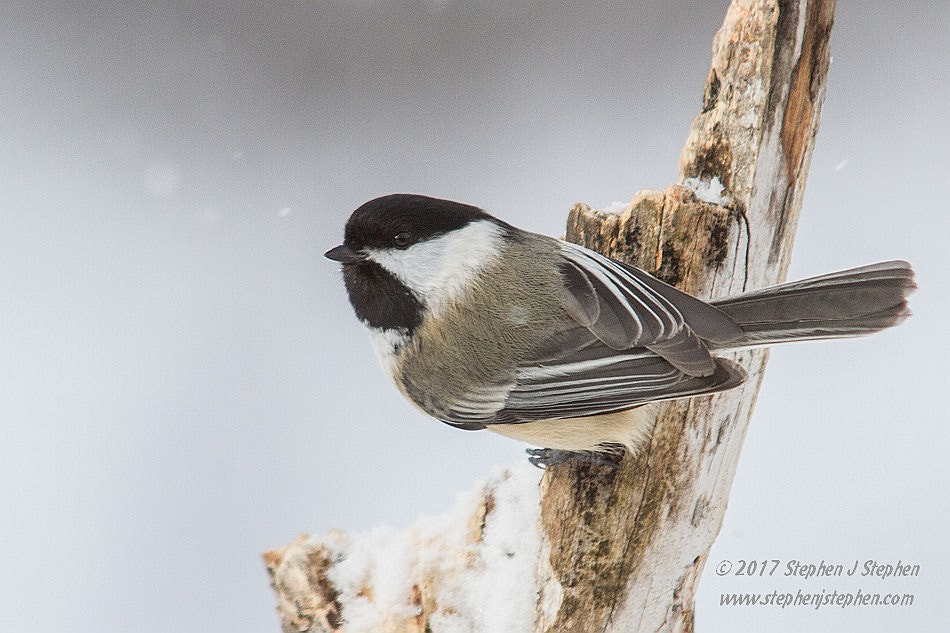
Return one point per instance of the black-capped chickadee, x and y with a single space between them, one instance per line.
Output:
483 325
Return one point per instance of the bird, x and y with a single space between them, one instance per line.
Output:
483 325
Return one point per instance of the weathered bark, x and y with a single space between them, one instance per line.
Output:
623 549
629 546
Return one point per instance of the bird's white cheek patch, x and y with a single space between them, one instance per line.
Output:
437 270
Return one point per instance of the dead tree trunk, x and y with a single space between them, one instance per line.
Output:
594 548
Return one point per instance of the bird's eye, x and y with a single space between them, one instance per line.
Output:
402 240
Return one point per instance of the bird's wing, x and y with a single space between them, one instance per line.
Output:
624 307
588 378
634 340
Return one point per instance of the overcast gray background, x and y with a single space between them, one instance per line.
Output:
183 384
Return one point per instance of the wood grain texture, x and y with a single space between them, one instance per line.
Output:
628 546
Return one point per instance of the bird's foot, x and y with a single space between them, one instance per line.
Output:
547 457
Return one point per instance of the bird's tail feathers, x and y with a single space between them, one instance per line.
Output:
842 304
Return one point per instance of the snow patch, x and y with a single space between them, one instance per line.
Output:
710 191
616 208
472 570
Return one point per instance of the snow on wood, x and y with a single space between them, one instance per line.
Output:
440 572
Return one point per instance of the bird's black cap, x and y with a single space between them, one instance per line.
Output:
412 217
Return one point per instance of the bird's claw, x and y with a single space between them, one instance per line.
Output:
547 457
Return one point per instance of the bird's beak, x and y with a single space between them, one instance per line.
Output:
344 254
